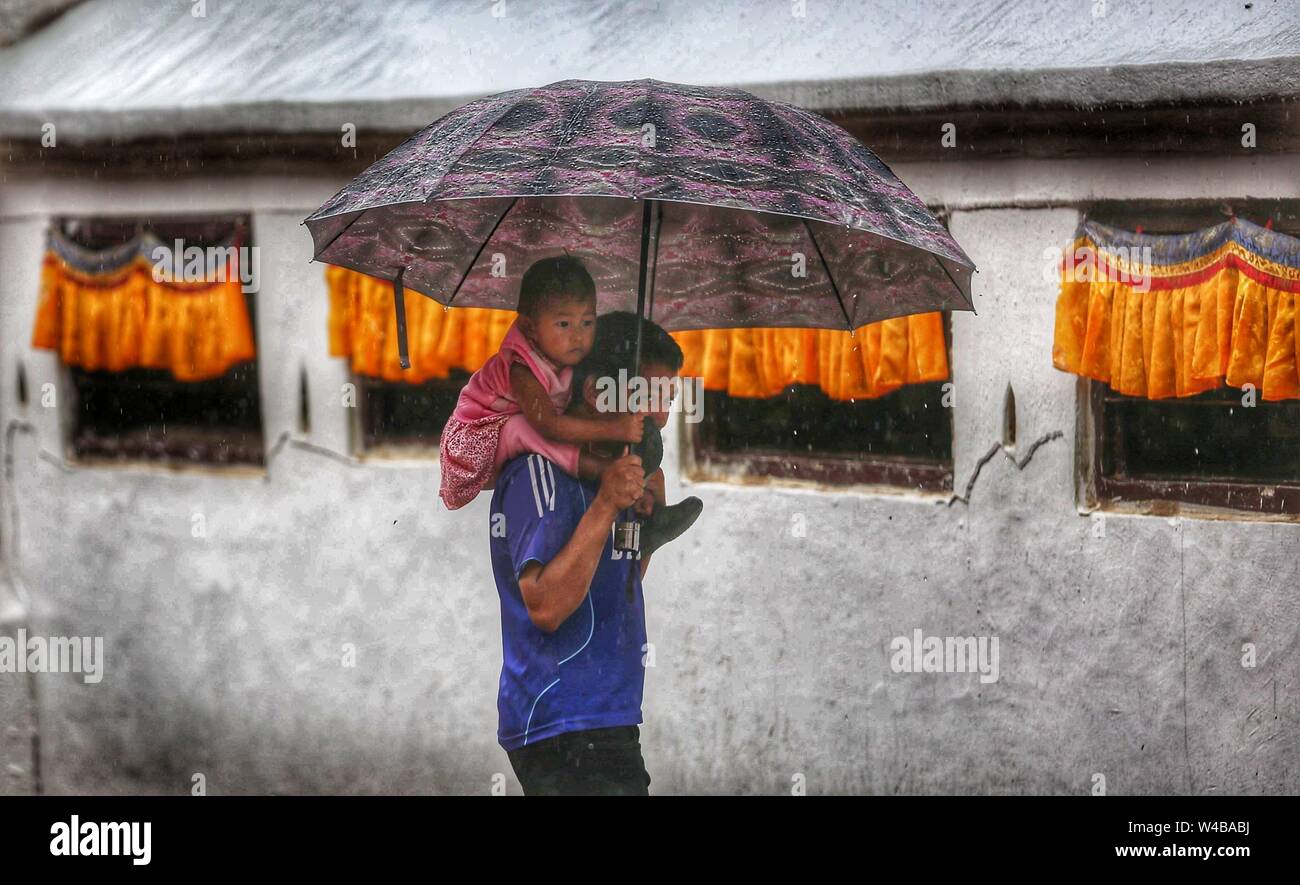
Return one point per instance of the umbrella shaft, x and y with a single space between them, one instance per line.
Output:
641 280
627 533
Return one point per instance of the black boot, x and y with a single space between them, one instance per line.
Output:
651 447
667 523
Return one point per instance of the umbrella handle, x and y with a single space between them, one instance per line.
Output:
627 531
627 538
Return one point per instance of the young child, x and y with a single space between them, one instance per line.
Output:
515 402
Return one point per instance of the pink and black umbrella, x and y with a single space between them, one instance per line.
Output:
718 208
699 208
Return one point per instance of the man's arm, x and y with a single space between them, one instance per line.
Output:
552 591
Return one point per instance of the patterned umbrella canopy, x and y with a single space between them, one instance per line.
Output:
764 214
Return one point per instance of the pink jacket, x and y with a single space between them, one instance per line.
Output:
488 390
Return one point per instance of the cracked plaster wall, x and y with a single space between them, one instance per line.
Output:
1119 654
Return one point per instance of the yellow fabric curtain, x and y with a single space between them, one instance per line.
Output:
122 318
1163 316
880 358
363 327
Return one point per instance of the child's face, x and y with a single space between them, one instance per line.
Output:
565 329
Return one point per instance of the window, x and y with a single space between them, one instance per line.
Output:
147 414
901 439
400 418
1206 450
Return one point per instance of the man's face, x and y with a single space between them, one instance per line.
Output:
661 387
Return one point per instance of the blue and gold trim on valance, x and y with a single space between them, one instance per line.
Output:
119 308
1159 316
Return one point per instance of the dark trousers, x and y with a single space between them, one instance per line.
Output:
596 762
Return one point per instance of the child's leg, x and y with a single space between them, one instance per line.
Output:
518 437
655 485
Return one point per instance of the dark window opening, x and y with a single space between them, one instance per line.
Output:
409 417
1208 436
147 414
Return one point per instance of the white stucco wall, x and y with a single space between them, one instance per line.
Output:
1119 655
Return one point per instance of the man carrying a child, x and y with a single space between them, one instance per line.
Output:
572 676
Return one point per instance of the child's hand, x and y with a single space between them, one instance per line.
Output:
654 495
628 427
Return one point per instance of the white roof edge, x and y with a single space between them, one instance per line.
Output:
1170 83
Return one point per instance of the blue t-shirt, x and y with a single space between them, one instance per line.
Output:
588 673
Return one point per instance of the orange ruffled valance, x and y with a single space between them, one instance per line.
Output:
880 358
107 312
1164 316
363 326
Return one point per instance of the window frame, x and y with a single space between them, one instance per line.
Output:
1165 497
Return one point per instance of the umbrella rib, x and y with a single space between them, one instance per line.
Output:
340 233
848 322
482 246
521 94
654 267
939 261
510 106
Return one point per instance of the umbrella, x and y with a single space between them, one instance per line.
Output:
716 208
